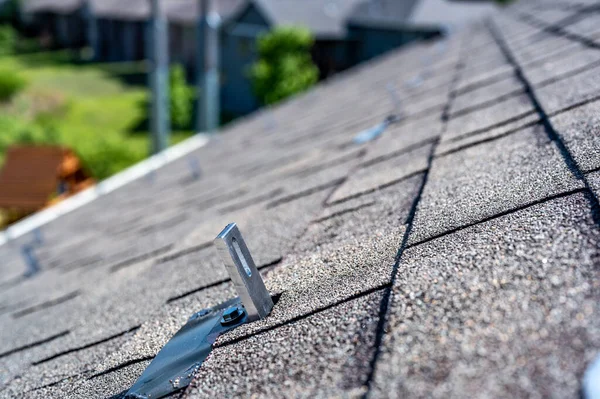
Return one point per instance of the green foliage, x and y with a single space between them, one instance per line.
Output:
284 67
181 98
10 127
80 107
106 156
10 84
17 131
103 157
8 39
83 107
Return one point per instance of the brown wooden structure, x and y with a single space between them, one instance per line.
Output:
34 177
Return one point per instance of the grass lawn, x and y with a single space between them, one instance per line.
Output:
85 107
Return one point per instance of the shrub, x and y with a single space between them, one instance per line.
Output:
181 98
181 101
105 157
10 127
8 39
10 84
284 67
17 131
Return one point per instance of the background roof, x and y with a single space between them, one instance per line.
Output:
177 10
325 18
382 12
448 12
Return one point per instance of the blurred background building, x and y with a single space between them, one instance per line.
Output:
346 32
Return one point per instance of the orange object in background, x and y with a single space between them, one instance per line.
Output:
34 177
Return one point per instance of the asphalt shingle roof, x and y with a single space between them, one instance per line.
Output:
456 255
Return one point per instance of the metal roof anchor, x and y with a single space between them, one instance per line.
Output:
194 166
243 272
31 260
396 102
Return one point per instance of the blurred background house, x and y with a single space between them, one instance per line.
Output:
346 32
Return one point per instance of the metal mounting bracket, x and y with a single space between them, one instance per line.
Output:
243 272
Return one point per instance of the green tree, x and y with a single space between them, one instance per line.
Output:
10 84
106 156
8 39
181 98
18 131
284 66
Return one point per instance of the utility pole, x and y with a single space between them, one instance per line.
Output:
159 77
91 29
207 67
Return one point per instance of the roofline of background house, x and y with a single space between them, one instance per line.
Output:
130 174
259 6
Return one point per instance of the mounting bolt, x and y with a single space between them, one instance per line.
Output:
232 315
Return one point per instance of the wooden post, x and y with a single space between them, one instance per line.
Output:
91 29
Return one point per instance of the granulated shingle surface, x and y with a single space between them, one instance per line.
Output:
485 95
504 111
580 130
308 358
451 144
570 91
371 176
504 308
455 255
594 179
491 175
556 68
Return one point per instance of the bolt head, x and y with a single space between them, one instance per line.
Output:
232 315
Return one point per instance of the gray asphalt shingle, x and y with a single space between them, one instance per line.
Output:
404 135
537 50
567 63
570 91
496 177
451 144
502 112
504 308
585 27
485 95
594 180
372 176
580 130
